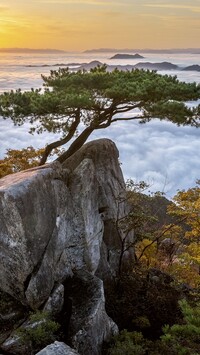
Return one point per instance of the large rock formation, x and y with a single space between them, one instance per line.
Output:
59 219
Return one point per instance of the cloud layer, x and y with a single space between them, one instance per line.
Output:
158 152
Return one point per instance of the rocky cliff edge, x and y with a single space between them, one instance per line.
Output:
59 220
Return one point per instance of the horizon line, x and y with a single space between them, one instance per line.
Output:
26 49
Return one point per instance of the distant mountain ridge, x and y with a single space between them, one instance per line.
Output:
102 50
144 50
140 65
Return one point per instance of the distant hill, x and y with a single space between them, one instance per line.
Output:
127 56
156 66
91 65
30 50
194 67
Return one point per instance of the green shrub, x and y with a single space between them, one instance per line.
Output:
141 322
136 304
40 330
178 339
184 339
128 343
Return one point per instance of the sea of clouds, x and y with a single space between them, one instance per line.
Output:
164 155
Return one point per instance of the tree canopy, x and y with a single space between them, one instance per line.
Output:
172 246
16 160
75 104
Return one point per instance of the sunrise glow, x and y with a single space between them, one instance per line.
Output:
86 24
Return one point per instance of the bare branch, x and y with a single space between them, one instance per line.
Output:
129 118
161 235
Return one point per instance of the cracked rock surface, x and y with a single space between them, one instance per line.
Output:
51 220
57 220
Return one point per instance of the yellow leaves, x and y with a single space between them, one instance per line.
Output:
17 160
184 273
187 204
5 169
175 248
149 256
193 250
26 158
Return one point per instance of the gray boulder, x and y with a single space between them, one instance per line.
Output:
53 220
57 348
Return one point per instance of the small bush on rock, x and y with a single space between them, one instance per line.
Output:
40 330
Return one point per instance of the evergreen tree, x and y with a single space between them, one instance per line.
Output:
77 103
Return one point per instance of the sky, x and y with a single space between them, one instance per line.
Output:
85 24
